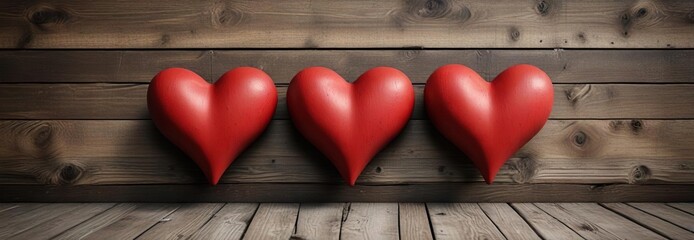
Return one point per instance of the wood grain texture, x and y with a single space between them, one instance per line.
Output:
687 207
370 221
585 227
129 101
461 221
59 223
34 217
328 24
273 221
667 213
545 225
133 152
651 222
93 224
592 216
133 223
414 221
508 221
319 221
229 223
563 66
182 223
297 192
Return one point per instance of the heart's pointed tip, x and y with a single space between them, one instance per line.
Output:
352 181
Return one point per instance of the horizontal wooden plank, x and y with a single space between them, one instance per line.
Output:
563 66
345 24
129 101
290 192
133 152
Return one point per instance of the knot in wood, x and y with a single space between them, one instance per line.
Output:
542 8
410 54
43 136
580 138
43 15
70 173
379 170
636 125
639 174
515 34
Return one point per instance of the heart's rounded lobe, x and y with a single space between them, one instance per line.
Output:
212 123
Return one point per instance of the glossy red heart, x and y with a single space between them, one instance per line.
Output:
489 121
212 123
350 123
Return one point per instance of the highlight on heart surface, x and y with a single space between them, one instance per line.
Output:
489 122
350 122
212 123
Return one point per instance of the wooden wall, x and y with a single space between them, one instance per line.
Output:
74 124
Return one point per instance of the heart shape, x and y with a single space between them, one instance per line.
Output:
350 123
489 121
212 123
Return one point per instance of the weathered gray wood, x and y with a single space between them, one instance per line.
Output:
414 221
687 207
27 220
585 227
182 223
229 223
584 151
273 221
667 213
319 221
651 222
298 192
461 221
59 223
607 221
563 66
16 209
544 224
362 24
93 224
508 221
133 223
129 101
370 221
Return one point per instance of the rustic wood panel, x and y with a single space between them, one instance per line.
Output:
461 221
508 221
93 224
320 221
651 222
133 223
327 24
129 101
594 219
27 220
62 222
544 224
414 221
687 207
229 223
563 66
297 192
132 152
370 221
182 223
667 213
273 221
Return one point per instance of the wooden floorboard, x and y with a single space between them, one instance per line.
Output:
184 222
649 221
133 152
370 221
687 207
562 66
273 221
343 221
349 24
129 101
230 222
319 221
461 221
508 221
667 213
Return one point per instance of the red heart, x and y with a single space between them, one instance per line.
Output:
212 123
350 123
489 121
